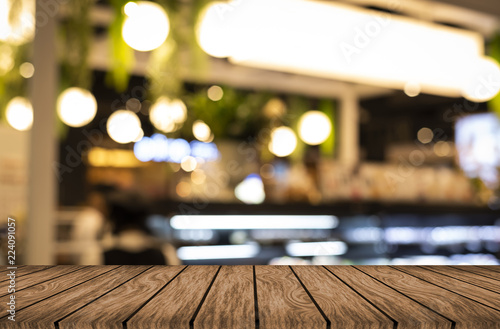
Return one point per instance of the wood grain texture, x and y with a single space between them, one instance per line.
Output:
30 296
111 310
390 301
495 268
260 297
176 304
481 295
342 305
468 277
230 302
48 311
480 271
283 302
26 270
465 312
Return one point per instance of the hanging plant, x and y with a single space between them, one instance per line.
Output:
494 104
123 56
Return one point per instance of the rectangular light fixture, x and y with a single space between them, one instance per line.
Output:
218 252
326 248
345 42
252 222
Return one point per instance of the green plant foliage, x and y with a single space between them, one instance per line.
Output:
12 84
328 147
122 54
75 37
237 115
494 104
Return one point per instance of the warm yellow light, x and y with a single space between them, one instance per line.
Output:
314 127
19 113
483 81
19 31
76 107
198 176
442 149
183 189
412 89
123 126
213 32
425 135
201 131
168 115
283 141
101 157
26 70
215 93
364 46
146 26
189 163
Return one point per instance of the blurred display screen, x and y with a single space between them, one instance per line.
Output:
478 144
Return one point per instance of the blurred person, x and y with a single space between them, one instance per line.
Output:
132 243
90 225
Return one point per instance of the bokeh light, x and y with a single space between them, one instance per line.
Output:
215 93
19 31
168 115
19 113
188 163
76 107
481 84
314 127
201 131
26 70
250 190
283 141
146 26
124 126
425 135
412 89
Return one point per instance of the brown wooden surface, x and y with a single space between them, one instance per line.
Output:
148 297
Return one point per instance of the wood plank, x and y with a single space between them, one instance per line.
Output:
32 279
341 304
479 271
391 301
465 312
472 278
45 313
178 302
111 310
4 268
230 302
495 268
50 288
481 295
283 302
26 270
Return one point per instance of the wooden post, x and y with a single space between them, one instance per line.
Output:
349 130
40 226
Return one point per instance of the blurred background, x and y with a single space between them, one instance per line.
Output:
250 131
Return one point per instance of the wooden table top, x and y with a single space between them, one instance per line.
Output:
261 297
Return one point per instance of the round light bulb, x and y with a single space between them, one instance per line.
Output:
481 84
18 31
314 127
124 126
76 107
215 93
146 26
167 115
212 32
283 141
201 131
19 113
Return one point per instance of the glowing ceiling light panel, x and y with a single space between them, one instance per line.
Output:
253 222
345 42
